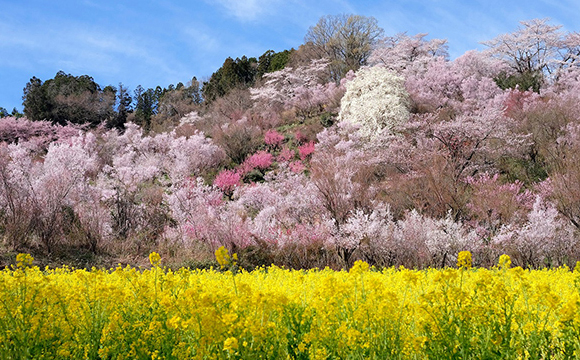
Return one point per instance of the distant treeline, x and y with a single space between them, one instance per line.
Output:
80 100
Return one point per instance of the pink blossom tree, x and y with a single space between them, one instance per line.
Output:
273 138
408 54
301 89
544 240
537 47
227 180
40 197
37 134
494 204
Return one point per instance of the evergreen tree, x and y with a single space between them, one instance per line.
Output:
238 73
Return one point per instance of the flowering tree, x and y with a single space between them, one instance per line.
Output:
376 100
273 138
40 198
494 204
302 89
565 175
37 134
545 239
343 173
537 48
407 54
227 180
190 156
136 171
464 85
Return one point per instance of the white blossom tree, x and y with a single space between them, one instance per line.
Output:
376 100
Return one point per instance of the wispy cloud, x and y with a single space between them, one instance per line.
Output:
247 10
201 38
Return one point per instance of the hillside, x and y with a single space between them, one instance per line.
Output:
403 157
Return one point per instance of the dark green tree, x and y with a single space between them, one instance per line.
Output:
239 73
37 105
193 91
271 61
280 60
264 62
67 98
17 114
527 80
124 100
147 102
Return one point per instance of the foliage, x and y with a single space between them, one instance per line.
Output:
67 98
123 108
271 61
239 73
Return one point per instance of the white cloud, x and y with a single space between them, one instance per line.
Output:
247 10
201 38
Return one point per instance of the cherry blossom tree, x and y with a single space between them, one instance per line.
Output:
544 240
39 198
302 88
565 175
537 48
494 204
408 54
37 134
464 85
344 175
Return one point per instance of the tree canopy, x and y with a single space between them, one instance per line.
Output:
242 73
347 40
68 98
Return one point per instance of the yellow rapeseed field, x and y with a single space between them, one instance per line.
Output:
272 313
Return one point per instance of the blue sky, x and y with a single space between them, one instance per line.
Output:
164 42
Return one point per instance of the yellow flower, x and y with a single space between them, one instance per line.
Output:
504 261
224 259
154 258
359 267
24 260
569 309
464 260
231 343
174 322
